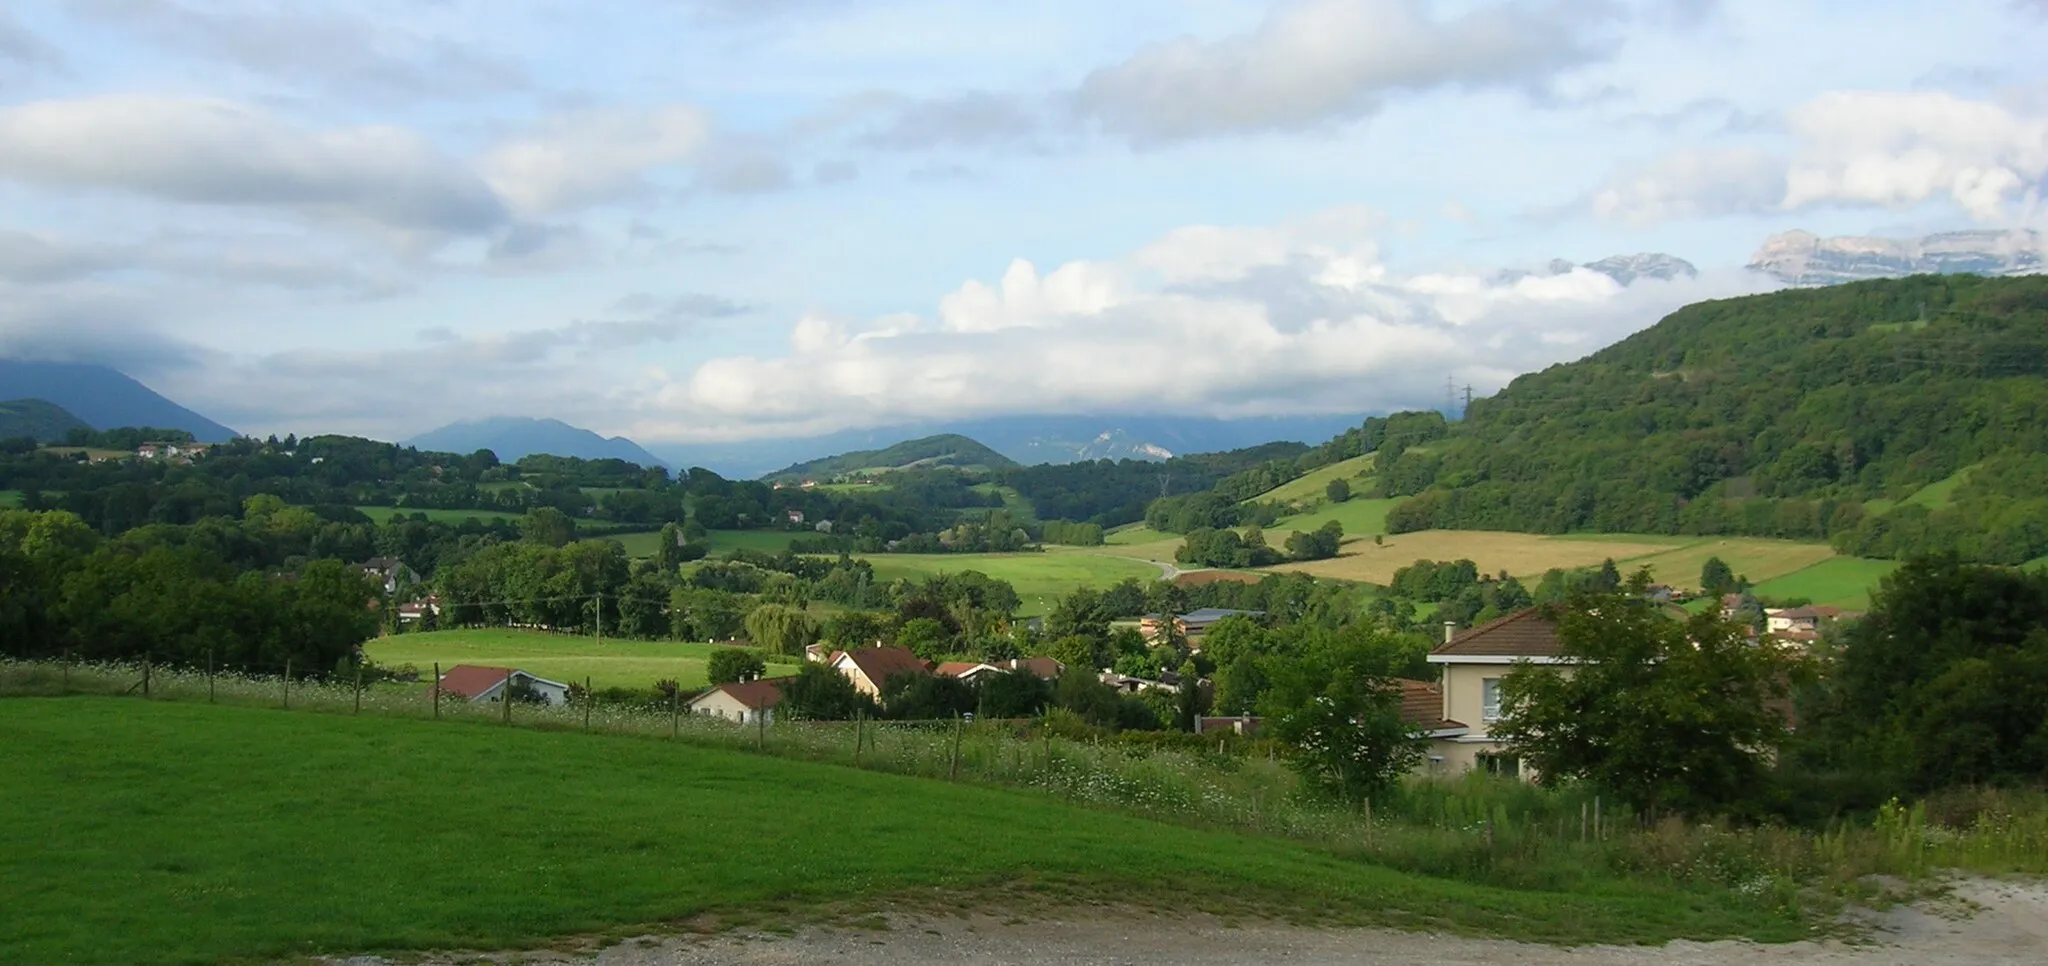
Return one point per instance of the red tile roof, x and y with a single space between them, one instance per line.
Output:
882 663
1044 667
470 680
954 669
757 695
1422 703
1525 633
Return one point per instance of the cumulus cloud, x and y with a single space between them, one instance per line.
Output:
217 152
1891 149
1297 318
594 155
1315 62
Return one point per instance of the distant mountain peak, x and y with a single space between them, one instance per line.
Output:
1802 258
103 397
1624 269
515 437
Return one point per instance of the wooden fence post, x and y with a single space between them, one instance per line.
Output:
675 712
760 728
505 696
437 690
145 675
1582 821
209 675
1597 834
590 699
359 690
287 682
859 727
953 763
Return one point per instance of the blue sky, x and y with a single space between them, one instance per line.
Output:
719 219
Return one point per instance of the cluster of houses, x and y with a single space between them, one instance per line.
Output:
1455 713
175 452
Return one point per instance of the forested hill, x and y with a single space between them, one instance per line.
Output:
943 450
1818 413
44 422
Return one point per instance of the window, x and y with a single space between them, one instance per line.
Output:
1506 766
1489 700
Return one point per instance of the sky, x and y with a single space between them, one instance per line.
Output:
708 220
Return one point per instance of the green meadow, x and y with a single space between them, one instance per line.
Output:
1845 582
567 658
1310 486
140 832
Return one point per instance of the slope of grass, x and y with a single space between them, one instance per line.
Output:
1524 555
1757 558
1845 582
1936 495
1039 578
1361 518
1311 485
638 544
1020 509
567 658
150 832
383 513
770 541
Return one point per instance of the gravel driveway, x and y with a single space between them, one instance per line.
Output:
1985 922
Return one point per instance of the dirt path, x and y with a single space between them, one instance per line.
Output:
1984 923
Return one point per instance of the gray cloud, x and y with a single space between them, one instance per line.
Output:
1313 63
747 174
221 153
734 12
350 55
834 172
531 246
691 305
19 44
30 259
976 119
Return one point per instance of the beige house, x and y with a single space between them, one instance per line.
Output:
747 702
1473 664
872 667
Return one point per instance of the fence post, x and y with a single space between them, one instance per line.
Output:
67 670
505 696
760 728
1582 821
145 676
287 682
359 690
591 698
675 712
437 690
209 675
953 763
859 727
1596 818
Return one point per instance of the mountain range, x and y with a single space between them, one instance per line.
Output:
45 422
515 437
1806 260
104 398
931 451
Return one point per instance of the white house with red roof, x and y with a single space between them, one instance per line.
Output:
478 682
746 702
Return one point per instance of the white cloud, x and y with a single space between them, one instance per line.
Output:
1314 62
18 43
593 156
1856 148
1299 318
218 152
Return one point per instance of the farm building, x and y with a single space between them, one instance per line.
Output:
476 682
743 701
1193 623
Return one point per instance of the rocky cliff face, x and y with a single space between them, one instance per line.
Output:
1622 268
1804 259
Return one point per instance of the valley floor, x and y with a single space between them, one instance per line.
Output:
1982 922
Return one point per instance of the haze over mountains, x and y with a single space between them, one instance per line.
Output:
1803 259
513 437
103 397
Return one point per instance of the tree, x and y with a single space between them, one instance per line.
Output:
1337 491
1339 710
730 664
1318 544
856 628
1716 577
927 638
547 525
1663 713
781 629
819 693
1013 694
924 697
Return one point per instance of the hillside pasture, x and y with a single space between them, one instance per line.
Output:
638 544
150 832
1310 487
1757 558
766 541
451 517
1938 494
1844 582
1520 554
1360 517
568 658
1040 579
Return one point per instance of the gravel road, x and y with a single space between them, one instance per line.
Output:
1985 922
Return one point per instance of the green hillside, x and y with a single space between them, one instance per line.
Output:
944 450
1780 415
1309 488
45 421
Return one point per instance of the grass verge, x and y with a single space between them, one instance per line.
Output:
151 832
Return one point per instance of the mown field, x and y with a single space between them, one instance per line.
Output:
137 832
1845 582
567 658
1360 517
1040 579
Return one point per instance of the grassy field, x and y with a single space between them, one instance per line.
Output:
151 832
770 541
10 498
1360 517
1756 558
1521 554
1020 509
1844 582
1937 494
1040 578
638 544
90 452
1309 488
559 657
383 513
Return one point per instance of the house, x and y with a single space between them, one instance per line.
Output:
1473 664
150 451
418 609
476 682
871 667
1244 724
746 702
796 516
1802 621
1046 668
1192 623
391 573
818 653
1422 708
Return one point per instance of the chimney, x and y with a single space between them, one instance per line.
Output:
1450 630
